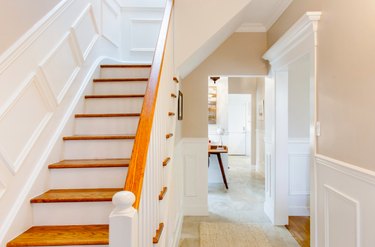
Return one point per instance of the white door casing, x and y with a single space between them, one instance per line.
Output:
299 40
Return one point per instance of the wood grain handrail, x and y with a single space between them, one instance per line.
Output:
137 166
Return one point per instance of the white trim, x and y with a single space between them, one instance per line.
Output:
279 10
31 35
298 211
3 188
293 37
299 140
39 165
356 172
177 237
251 28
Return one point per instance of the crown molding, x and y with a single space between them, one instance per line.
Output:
301 31
251 28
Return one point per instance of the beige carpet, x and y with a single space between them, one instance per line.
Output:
232 235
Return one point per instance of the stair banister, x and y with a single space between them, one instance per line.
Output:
137 218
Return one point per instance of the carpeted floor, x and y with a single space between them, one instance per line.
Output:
241 204
230 234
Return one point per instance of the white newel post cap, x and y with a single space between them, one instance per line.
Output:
123 201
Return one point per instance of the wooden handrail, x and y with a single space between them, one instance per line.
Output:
137 166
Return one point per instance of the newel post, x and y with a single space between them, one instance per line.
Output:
123 224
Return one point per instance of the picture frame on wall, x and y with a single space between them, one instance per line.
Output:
180 106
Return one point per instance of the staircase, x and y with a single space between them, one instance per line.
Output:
75 210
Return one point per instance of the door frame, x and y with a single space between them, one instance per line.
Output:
298 41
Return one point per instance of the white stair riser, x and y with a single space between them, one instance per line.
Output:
71 213
124 72
106 126
98 149
120 87
119 105
111 177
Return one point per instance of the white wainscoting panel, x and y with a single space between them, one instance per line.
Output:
195 151
22 123
61 67
345 204
85 31
111 22
299 177
141 31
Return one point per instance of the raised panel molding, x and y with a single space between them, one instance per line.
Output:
15 148
345 204
190 171
85 32
138 28
60 67
299 174
341 219
110 23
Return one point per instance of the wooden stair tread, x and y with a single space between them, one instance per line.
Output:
109 137
76 195
103 115
120 79
125 66
90 163
108 96
63 235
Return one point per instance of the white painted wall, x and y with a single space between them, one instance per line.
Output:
194 156
259 132
42 79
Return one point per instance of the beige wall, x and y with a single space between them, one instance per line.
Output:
242 85
299 98
346 82
241 54
295 10
18 16
345 76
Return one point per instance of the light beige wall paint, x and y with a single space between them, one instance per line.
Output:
201 26
18 16
299 98
295 10
346 82
242 85
241 54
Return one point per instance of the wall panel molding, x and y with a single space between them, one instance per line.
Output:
14 150
345 203
61 67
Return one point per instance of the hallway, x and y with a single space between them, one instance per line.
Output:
242 203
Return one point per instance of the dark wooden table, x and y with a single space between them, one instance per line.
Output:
214 149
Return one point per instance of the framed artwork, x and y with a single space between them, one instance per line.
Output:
180 105
212 98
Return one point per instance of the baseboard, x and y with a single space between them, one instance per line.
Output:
299 211
195 210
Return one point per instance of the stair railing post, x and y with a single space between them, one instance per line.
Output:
123 224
